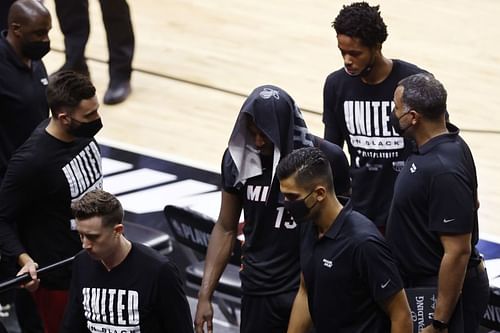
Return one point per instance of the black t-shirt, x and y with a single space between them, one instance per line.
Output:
44 176
338 163
348 273
358 113
435 193
23 104
142 294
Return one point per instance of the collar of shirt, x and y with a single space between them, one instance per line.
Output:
447 137
336 226
12 55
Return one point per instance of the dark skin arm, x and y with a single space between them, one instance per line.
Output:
457 250
219 251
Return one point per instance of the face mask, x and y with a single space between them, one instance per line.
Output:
298 208
85 130
394 120
368 68
364 72
35 50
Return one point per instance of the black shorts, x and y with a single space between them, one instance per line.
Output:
269 314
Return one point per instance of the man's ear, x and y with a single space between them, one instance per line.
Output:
16 28
118 229
64 117
416 117
320 193
377 48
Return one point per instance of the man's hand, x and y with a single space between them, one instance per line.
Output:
431 329
204 313
30 267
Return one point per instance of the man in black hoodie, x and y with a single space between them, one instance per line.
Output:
269 126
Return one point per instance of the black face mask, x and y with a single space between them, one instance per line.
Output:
394 120
35 50
298 208
85 130
364 72
368 68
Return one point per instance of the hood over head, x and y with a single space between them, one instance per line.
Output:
274 113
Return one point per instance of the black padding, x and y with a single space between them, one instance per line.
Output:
153 238
229 282
193 229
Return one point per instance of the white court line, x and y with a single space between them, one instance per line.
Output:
156 154
110 166
136 179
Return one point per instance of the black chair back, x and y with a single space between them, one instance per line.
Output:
193 230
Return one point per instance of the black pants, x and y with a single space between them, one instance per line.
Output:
475 297
73 18
268 314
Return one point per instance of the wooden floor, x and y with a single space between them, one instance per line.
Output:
196 60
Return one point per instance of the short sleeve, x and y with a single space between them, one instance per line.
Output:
339 165
452 205
333 132
378 269
229 174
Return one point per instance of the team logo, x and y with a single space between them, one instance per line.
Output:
398 165
327 263
267 93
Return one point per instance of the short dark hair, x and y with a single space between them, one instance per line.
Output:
360 20
425 94
101 204
309 166
68 89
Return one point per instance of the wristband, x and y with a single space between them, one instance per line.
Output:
439 325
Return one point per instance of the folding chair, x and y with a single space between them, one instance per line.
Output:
148 236
193 230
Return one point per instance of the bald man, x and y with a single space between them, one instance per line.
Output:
23 104
23 80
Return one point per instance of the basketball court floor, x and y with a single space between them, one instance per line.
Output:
196 61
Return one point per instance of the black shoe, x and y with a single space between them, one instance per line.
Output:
117 92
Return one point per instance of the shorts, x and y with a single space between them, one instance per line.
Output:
269 314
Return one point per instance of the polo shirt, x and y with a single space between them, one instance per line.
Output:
434 194
348 273
23 104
